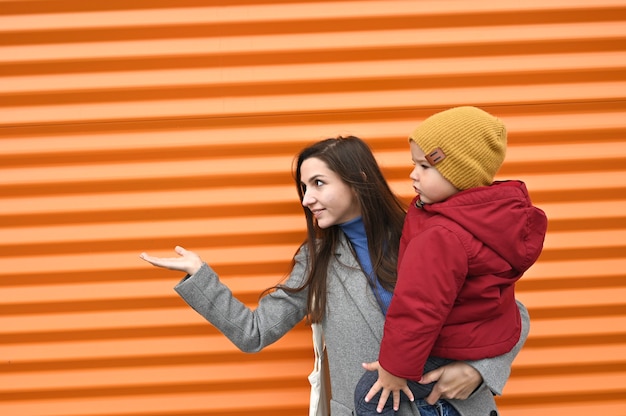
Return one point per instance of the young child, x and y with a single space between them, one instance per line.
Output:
466 241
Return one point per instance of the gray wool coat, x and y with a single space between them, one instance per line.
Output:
353 328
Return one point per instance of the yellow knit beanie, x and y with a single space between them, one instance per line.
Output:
466 144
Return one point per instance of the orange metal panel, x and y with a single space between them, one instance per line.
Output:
137 125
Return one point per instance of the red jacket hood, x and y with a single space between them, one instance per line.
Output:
502 217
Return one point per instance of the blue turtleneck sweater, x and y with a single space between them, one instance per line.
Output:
355 231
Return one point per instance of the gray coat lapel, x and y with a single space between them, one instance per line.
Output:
358 289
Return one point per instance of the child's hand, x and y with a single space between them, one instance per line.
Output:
389 384
188 261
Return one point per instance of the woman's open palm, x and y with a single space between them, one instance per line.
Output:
188 261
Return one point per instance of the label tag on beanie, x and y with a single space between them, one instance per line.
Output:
435 156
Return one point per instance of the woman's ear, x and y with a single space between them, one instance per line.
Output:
364 176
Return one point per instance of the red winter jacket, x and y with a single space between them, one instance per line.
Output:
457 267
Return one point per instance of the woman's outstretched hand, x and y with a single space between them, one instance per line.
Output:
188 261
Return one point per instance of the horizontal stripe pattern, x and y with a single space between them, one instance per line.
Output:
130 126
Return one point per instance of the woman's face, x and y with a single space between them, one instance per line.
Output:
329 198
427 180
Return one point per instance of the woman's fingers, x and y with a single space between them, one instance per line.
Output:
187 261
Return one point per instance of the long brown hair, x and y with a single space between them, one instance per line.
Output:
381 210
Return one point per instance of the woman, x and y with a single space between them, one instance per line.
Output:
342 276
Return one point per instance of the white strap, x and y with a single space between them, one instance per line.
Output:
318 340
319 397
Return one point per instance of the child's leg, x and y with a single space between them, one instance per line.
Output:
421 391
368 379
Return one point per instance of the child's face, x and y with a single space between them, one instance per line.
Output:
427 181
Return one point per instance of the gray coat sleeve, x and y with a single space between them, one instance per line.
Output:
496 371
250 330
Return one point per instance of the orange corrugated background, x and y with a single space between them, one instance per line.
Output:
136 125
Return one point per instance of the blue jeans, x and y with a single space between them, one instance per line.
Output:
441 408
420 391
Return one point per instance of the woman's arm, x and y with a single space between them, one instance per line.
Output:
250 330
459 379
496 371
